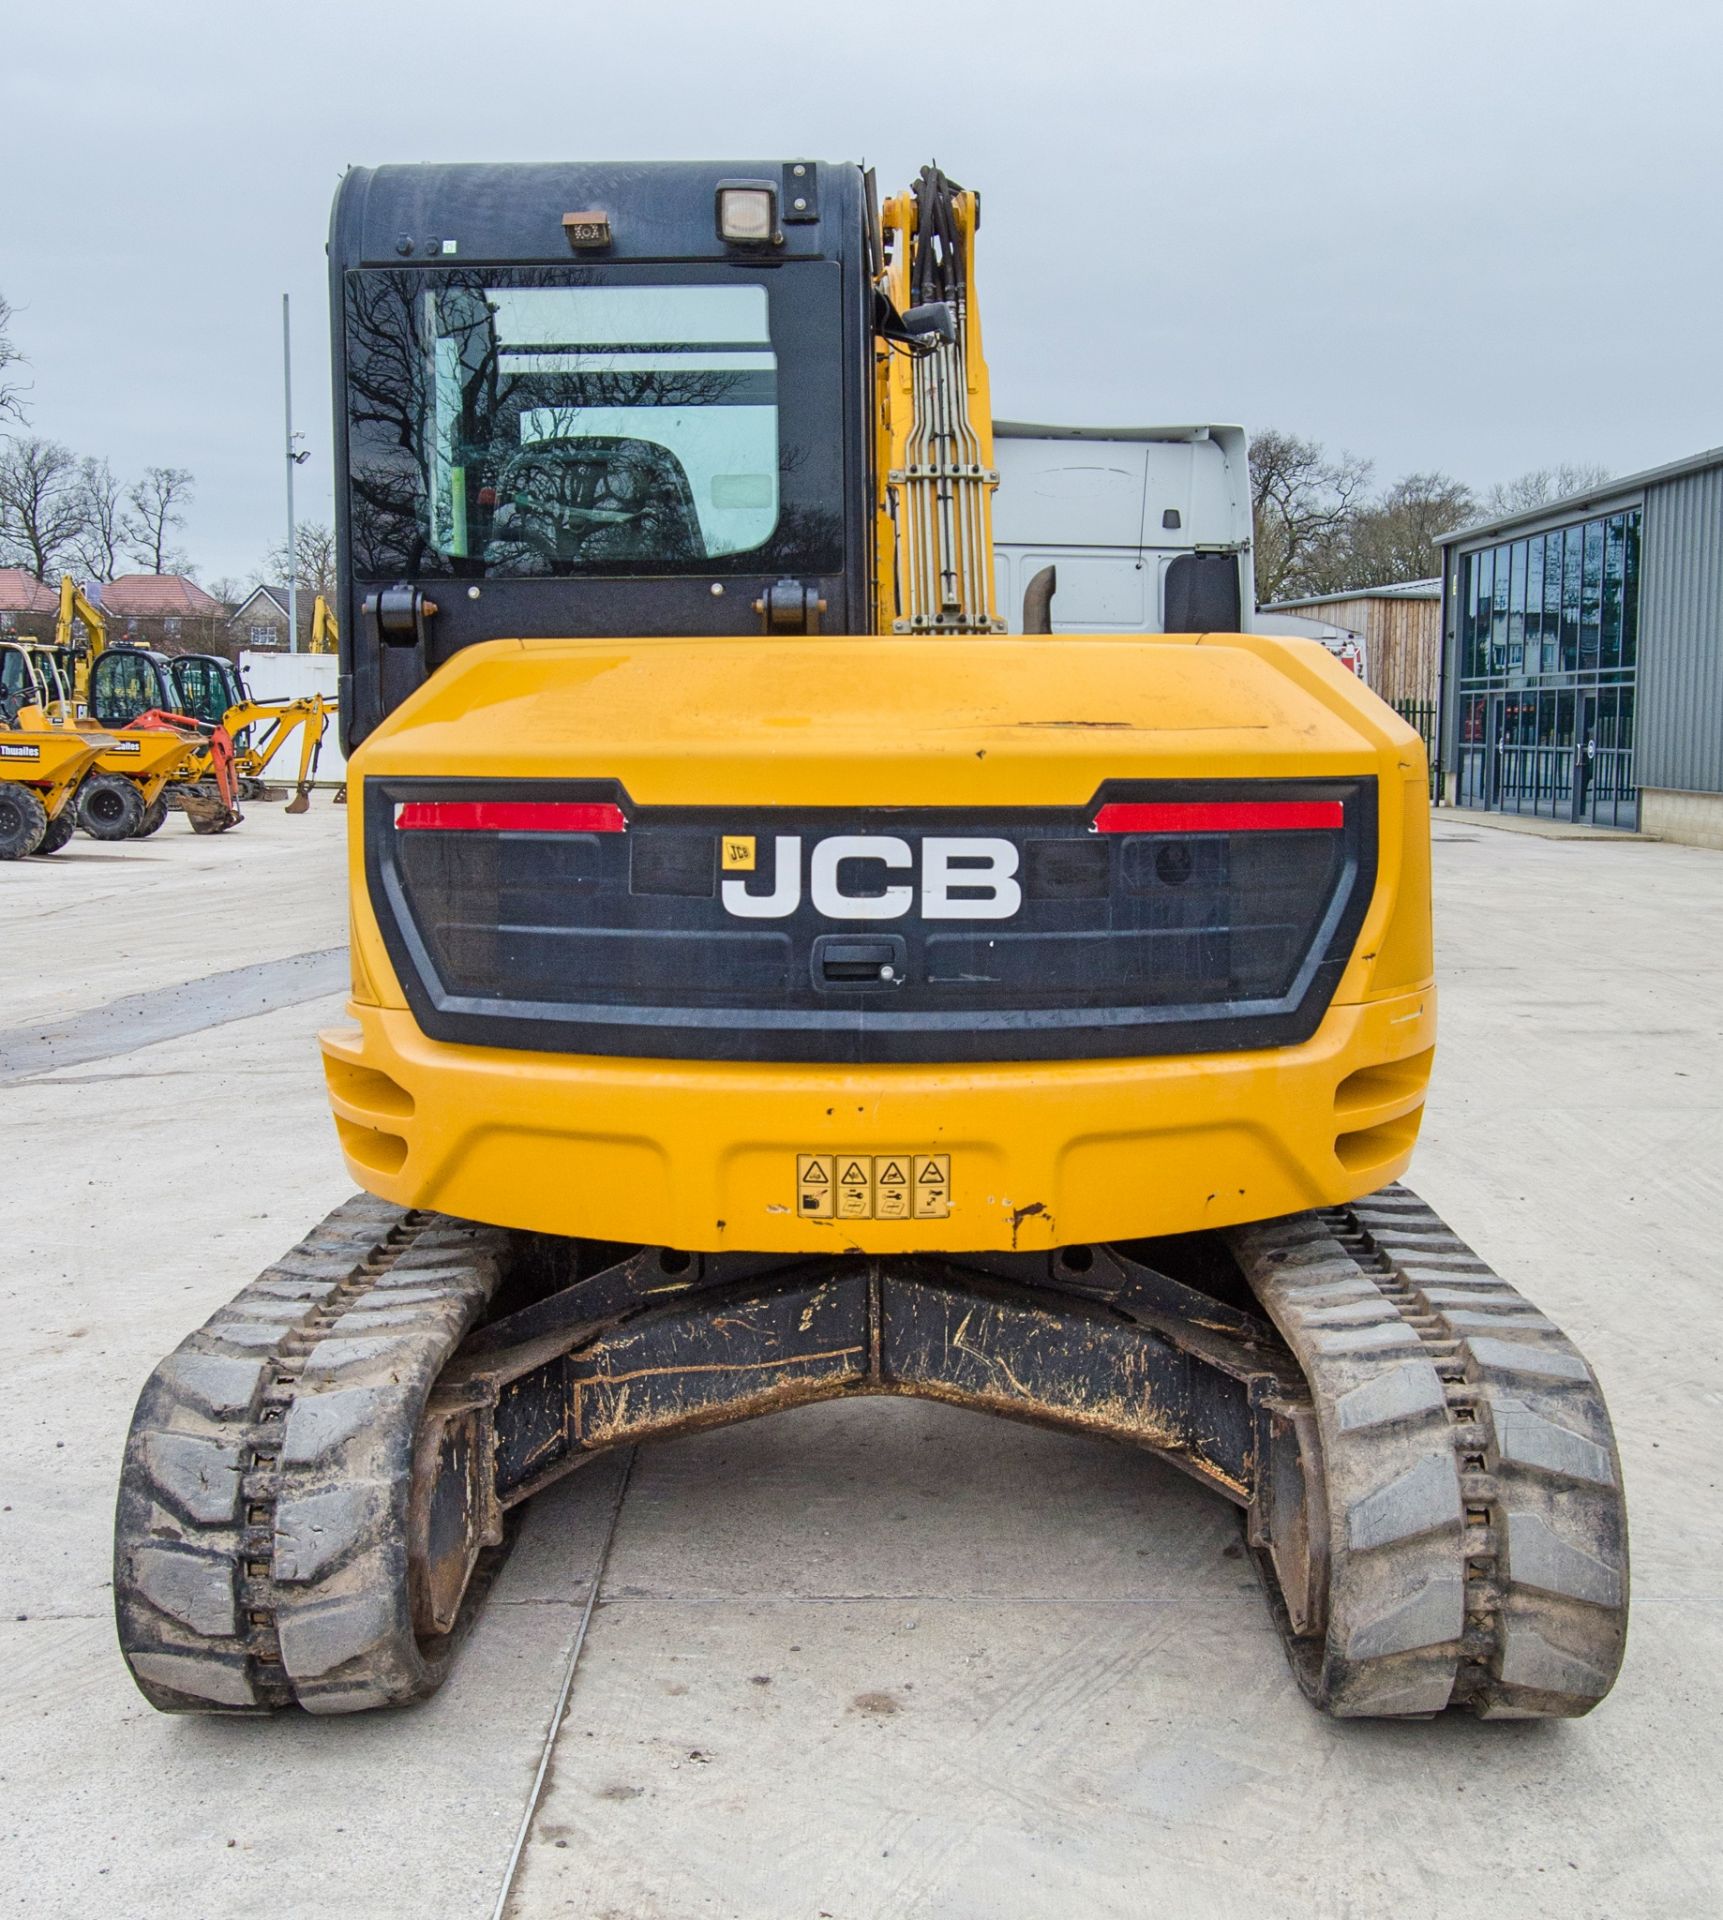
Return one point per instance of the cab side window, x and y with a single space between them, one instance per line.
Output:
201 692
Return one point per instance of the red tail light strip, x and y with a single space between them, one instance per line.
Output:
509 816
1218 816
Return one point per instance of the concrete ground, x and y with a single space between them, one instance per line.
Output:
863 1660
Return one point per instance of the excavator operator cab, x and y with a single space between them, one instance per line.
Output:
206 686
591 400
128 681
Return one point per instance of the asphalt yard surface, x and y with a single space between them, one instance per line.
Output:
867 1659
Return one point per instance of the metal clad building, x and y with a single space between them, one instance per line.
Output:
1680 744
1582 657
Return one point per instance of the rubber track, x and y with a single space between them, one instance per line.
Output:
260 1555
1476 1529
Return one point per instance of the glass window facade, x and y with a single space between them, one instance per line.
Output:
1549 648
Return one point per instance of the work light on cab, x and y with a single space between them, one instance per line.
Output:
748 213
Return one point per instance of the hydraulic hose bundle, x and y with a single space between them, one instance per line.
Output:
944 482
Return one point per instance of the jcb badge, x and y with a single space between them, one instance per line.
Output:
962 877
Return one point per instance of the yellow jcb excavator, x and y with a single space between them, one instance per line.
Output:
773 982
213 690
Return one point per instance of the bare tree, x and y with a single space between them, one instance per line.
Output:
157 504
313 570
1301 497
96 550
11 392
227 590
1542 487
1397 537
41 504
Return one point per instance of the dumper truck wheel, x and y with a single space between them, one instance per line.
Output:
109 807
154 814
59 830
23 821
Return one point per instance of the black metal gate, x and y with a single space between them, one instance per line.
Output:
1422 715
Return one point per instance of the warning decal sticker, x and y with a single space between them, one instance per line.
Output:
879 1186
814 1185
932 1186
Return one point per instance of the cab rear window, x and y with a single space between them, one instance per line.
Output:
516 424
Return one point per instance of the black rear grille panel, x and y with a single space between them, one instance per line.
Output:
620 943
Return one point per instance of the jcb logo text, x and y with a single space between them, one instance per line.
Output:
966 878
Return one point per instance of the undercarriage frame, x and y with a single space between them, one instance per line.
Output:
319 1483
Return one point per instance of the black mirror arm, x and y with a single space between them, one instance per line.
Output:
921 329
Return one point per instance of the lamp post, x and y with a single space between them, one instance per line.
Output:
294 458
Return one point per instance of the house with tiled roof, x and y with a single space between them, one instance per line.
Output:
260 619
26 605
165 610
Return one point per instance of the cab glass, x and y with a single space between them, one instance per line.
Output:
518 424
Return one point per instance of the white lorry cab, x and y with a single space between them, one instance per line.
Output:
1149 528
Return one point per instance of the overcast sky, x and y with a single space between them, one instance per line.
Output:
1479 235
